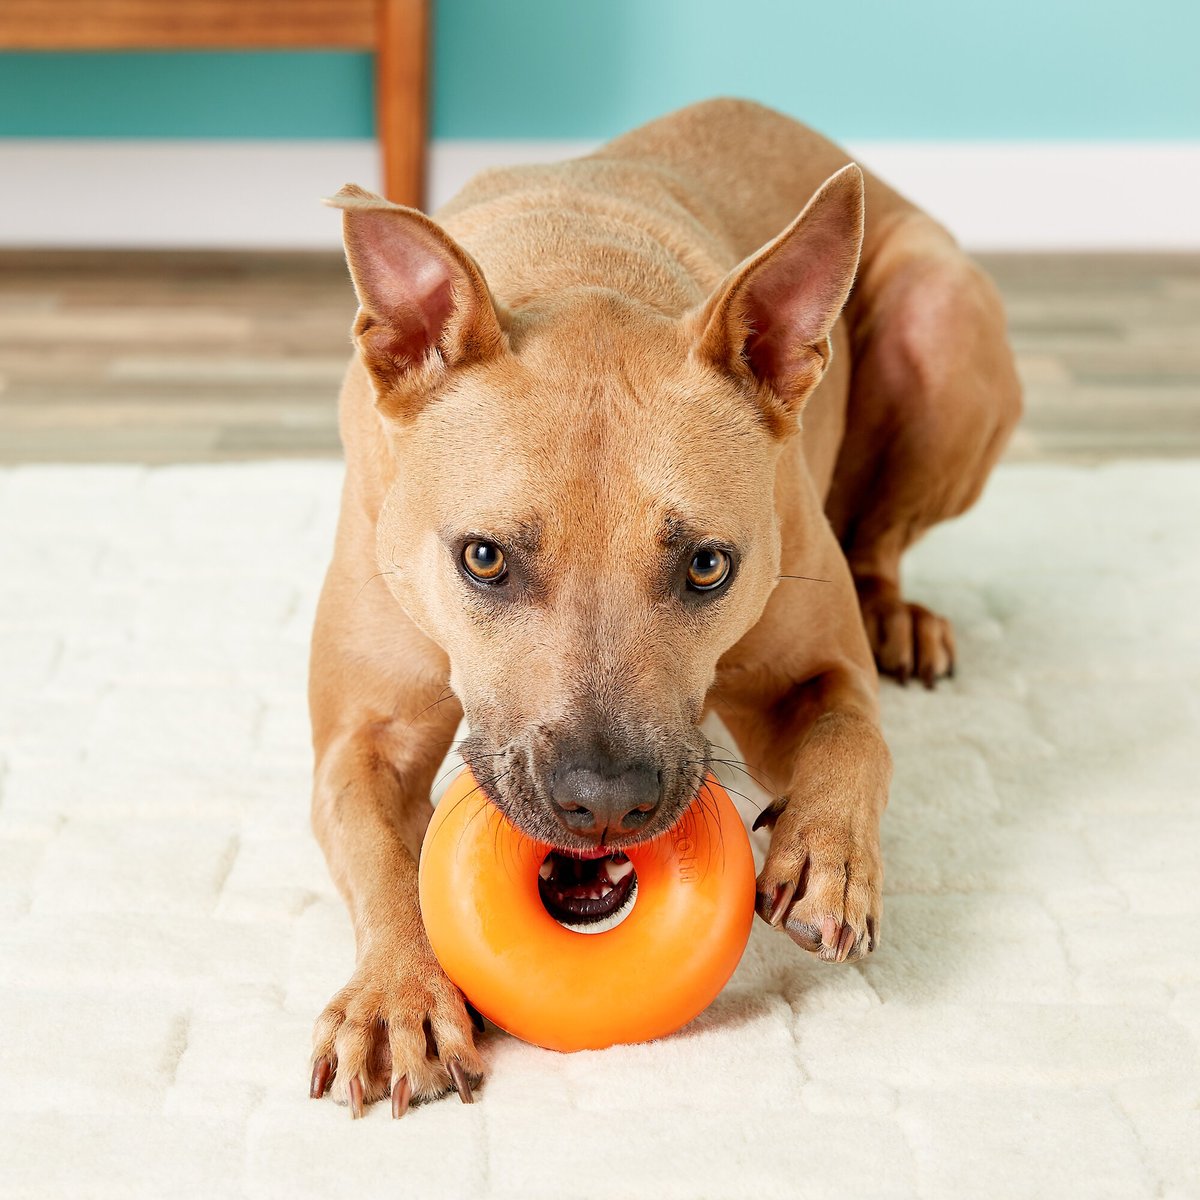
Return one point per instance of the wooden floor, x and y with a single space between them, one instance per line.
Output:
167 357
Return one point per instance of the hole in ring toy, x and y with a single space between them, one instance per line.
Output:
547 984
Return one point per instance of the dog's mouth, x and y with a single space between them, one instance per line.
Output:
579 891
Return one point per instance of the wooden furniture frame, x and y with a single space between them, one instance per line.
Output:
397 31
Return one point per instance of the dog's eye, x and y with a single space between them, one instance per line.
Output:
708 569
485 561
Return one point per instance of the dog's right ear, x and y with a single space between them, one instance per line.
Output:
424 305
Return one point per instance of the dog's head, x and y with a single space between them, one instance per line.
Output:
583 515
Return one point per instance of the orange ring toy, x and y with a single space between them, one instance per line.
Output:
545 983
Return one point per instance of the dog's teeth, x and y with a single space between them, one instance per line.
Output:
546 869
616 871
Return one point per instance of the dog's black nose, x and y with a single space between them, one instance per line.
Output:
601 801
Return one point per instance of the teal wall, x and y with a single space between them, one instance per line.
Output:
588 68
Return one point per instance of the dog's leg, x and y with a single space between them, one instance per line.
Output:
933 400
399 1025
823 877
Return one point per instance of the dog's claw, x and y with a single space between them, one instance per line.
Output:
462 1085
322 1069
784 894
401 1095
830 928
845 943
769 815
356 1098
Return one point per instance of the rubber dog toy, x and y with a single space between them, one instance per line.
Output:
564 990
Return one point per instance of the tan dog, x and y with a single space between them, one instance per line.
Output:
573 461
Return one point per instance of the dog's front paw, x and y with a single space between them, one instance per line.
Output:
823 886
398 1028
908 640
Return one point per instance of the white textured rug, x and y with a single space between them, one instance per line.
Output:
1029 1028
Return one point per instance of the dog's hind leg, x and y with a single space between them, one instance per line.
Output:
933 399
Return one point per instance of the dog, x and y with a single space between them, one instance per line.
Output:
628 440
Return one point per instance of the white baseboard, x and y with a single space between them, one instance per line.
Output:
264 194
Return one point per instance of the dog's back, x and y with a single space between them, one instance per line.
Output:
662 212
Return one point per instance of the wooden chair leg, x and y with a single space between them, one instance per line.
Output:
401 96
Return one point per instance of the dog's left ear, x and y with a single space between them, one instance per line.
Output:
424 305
769 322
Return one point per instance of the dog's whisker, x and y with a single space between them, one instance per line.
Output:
371 579
482 785
733 791
451 770
734 761
447 694
716 817
754 779
479 784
